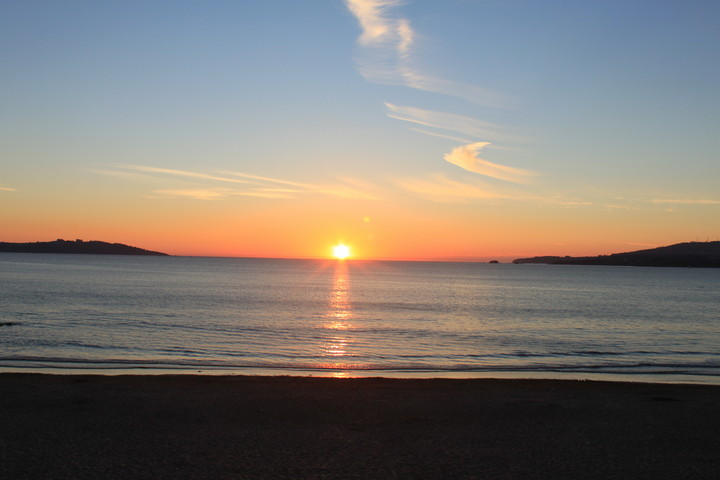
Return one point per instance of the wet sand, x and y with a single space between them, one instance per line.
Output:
205 427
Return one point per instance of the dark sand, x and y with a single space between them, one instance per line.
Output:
158 427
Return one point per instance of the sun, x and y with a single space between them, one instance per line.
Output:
341 252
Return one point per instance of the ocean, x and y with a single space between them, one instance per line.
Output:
133 314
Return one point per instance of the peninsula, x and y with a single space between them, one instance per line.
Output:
75 246
689 254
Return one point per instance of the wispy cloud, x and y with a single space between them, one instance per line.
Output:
345 188
439 188
199 185
387 56
181 173
196 194
259 178
468 92
388 43
406 35
213 194
477 129
687 201
441 135
7 189
377 27
467 157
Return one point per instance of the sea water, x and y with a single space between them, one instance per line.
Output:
132 314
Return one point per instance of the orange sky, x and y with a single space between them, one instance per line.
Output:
402 128
373 229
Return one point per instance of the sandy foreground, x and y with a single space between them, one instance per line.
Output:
245 427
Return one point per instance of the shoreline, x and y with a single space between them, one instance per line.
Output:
669 378
206 426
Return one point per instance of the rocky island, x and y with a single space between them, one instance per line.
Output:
76 246
688 254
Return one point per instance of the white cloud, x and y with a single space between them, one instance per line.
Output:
466 157
345 188
372 16
472 93
472 127
387 56
407 36
249 185
261 179
441 135
388 43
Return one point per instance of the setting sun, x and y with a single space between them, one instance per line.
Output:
341 252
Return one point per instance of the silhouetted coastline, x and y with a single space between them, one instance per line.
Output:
689 254
93 247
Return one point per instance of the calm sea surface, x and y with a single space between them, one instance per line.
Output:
219 315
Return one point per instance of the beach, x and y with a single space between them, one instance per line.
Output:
253 427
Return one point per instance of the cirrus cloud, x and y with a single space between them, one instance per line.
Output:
472 127
466 157
387 57
204 185
687 201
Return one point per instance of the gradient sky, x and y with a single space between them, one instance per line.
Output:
427 129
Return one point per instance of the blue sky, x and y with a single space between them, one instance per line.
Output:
590 118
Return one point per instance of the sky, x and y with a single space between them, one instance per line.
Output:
408 130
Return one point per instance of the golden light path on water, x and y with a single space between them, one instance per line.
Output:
338 319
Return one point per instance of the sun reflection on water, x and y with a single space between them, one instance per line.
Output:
339 308
338 319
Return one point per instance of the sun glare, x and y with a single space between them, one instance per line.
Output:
341 252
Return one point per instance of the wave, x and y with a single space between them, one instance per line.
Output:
32 363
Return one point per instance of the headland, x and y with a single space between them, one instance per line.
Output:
689 254
93 247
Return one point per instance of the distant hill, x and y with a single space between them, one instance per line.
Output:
689 254
75 246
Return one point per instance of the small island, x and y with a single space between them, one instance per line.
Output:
689 254
93 247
